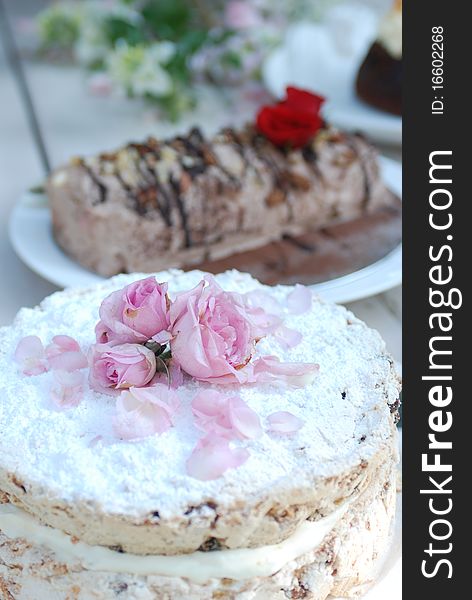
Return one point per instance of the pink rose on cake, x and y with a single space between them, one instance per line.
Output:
120 367
212 335
135 314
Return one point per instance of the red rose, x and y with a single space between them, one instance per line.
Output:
293 121
302 100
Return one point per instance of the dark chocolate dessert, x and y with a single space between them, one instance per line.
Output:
379 81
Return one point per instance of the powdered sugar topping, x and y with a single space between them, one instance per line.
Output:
347 400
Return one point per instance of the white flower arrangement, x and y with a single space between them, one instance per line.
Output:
140 70
156 49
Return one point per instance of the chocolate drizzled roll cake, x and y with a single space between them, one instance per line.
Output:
87 515
174 203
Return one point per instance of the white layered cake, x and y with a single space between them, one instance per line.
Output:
209 439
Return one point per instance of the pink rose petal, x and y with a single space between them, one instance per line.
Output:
68 388
263 300
30 355
61 344
263 322
162 337
224 416
210 409
264 311
284 422
176 375
64 354
299 300
213 456
243 419
102 333
29 346
174 378
69 361
269 369
142 412
288 338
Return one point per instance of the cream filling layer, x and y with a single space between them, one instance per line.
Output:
200 567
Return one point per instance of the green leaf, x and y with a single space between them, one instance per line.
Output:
176 103
167 19
231 59
120 29
189 43
220 36
97 65
38 189
58 28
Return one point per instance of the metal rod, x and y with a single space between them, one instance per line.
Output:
14 60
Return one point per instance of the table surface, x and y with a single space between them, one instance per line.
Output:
74 121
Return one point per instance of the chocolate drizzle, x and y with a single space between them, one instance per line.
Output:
354 148
311 159
231 136
126 188
280 184
193 147
183 214
102 189
145 166
196 145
